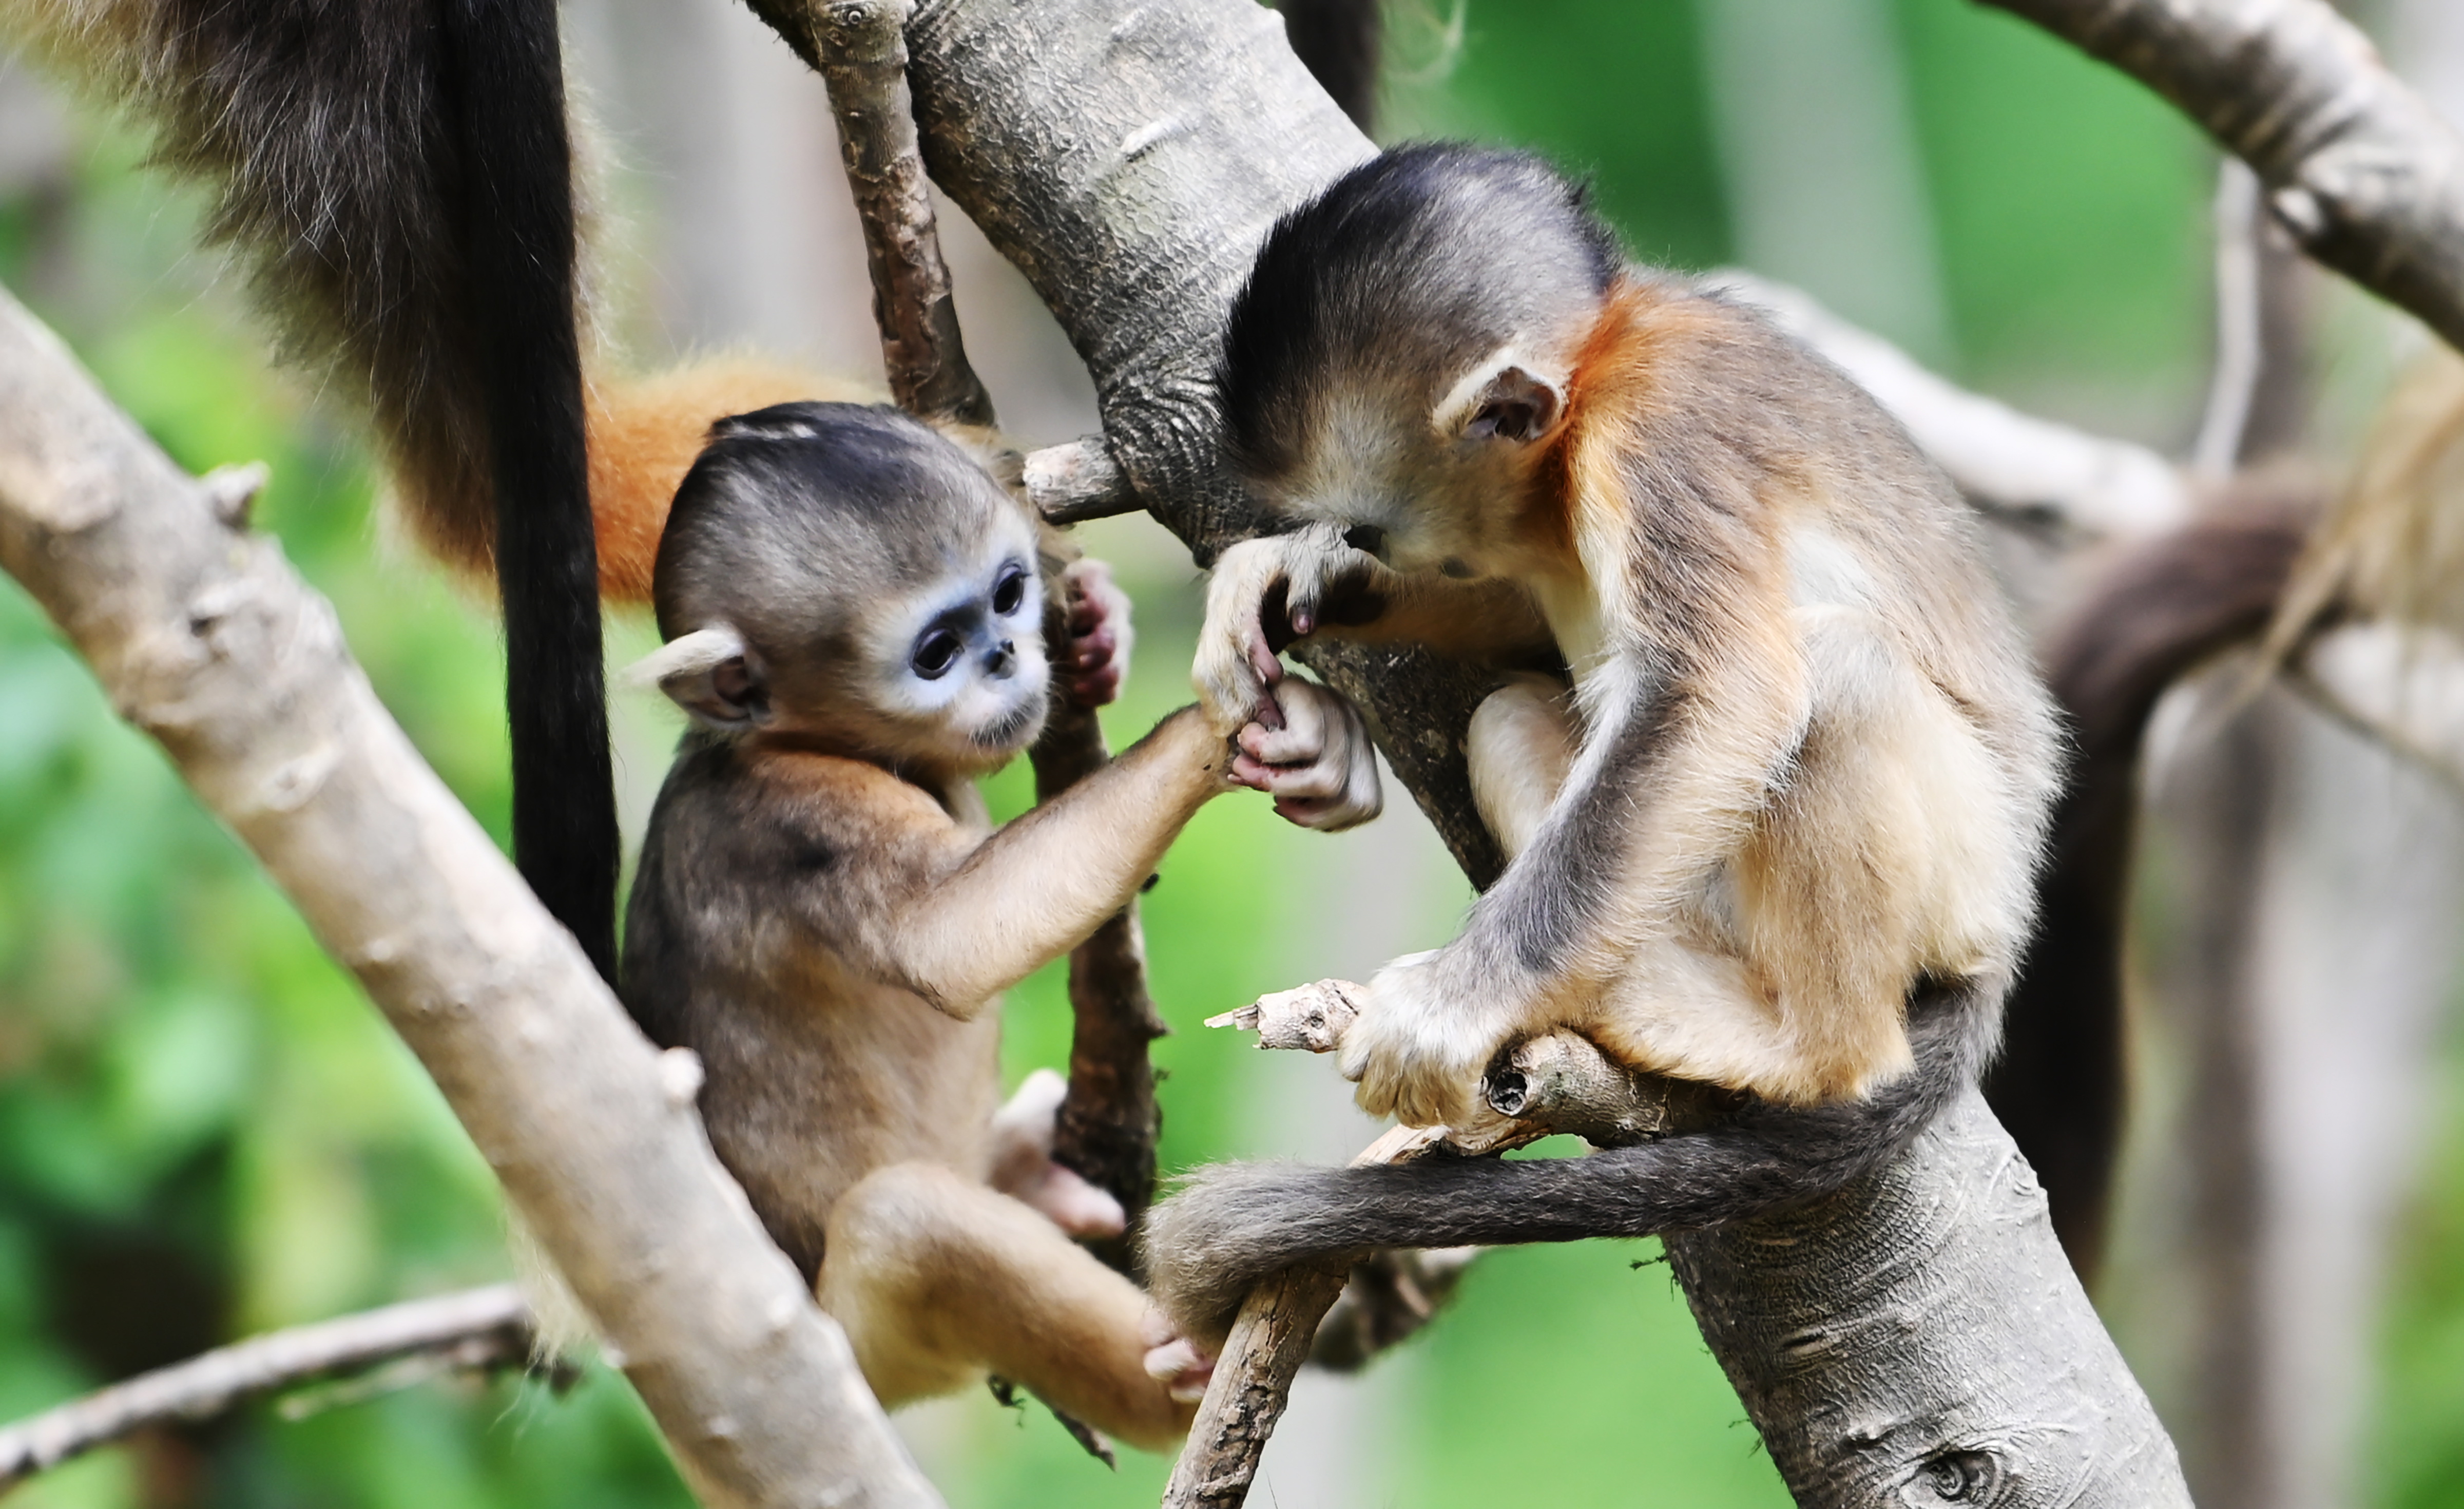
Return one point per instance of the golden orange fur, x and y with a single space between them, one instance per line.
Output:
644 435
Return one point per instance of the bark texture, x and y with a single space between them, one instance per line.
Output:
2356 165
207 639
1919 1340
862 45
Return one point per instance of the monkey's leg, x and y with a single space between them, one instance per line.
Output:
1521 745
1883 857
939 1280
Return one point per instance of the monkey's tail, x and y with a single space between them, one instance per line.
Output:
502 80
2153 615
1237 1224
1338 41
398 177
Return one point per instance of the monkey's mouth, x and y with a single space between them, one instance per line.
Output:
1012 728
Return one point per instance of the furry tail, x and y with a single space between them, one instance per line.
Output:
1232 1226
399 179
2154 614
503 85
1337 42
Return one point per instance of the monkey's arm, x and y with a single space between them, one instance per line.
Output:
964 919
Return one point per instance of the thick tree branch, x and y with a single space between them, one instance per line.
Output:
209 641
2356 165
476 1328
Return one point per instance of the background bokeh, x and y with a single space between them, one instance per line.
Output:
205 1131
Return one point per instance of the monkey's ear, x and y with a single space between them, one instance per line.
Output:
711 673
1504 398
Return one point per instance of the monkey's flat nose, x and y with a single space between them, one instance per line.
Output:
1003 661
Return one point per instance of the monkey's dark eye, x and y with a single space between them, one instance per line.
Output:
1366 537
935 652
1009 591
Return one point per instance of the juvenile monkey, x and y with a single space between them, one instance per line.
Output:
1778 833
853 617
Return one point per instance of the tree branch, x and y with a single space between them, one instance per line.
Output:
476 1328
2013 466
2358 168
208 641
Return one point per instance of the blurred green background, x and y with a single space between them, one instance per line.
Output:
205 1130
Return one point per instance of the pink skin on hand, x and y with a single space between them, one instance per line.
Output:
1174 1360
1097 657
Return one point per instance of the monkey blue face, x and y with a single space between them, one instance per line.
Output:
846 576
961 666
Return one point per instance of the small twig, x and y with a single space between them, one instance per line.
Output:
863 49
1109 1121
478 1329
1552 1084
2240 351
1072 483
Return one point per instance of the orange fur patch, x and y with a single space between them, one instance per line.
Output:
1615 385
644 435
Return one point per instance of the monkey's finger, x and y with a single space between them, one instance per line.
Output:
1315 782
1181 1369
1300 734
1099 688
1078 1207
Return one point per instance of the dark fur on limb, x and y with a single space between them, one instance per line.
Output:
479 1329
1108 1125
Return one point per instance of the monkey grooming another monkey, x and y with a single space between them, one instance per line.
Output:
1777 835
823 914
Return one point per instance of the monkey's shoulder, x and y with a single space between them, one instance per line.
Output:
804 809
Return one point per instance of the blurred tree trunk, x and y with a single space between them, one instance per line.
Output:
2303 883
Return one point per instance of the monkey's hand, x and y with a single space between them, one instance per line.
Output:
1419 1046
1315 760
1022 1167
1096 659
1172 1359
1266 593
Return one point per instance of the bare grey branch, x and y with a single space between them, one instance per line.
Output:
476 1328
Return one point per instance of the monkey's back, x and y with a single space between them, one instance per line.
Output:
1775 426
761 877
